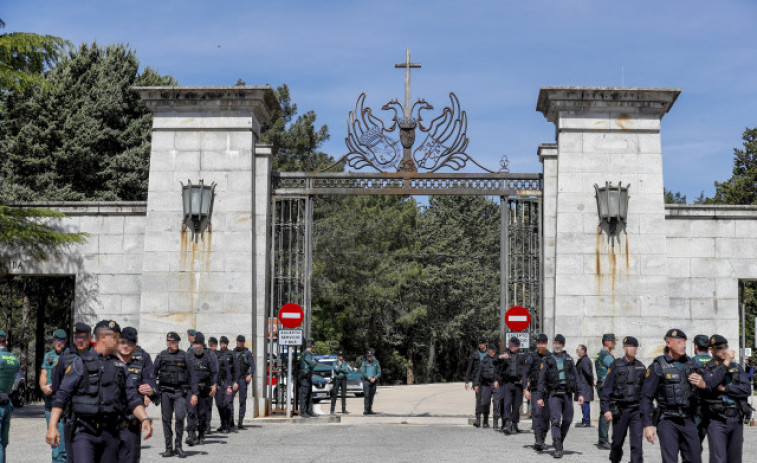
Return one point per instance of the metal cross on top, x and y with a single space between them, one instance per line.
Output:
407 65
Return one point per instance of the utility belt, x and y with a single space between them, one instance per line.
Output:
5 399
517 380
97 427
668 413
723 412
616 408
132 423
560 390
174 389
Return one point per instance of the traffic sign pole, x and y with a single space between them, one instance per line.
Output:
289 381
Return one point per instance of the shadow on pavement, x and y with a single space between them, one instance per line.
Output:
29 411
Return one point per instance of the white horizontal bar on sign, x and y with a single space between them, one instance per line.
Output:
517 318
291 315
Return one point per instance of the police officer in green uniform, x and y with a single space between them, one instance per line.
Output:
725 390
339 373
305 380
701 358
602 363
101 394
557 385
176 383
9 366
619 402
668 382
371 371
49 362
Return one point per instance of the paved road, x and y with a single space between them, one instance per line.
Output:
435 429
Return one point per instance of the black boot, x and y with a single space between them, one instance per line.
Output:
477 423
168 452
539 444
507 427
240 425
495 423
201 439
486 421
191 438
514 428
558 448
178 451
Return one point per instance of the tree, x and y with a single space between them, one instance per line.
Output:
85 136
24 56
741 188
674 198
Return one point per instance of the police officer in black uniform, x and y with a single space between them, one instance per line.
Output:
619 402
470 373
725 390
557 384
213 347
175 381
512 369
487 378
101 394
201 360
246 363
140 369
539 415
227 375
668 383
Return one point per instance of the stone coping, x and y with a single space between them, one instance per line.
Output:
720 211
655 101
80 208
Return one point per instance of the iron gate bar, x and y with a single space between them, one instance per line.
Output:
405 183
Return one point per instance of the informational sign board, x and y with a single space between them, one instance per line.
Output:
290 337
524 337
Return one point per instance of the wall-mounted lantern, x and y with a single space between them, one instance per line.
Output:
612 204
198 205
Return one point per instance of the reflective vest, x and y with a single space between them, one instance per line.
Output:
673 391
560 374
202 368
244 364
101 393
629 378
173 369
225 358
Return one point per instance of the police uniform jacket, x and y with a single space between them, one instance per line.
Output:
212 365
473 360
656 386
623 384
161 362
549 370
734 380
246 362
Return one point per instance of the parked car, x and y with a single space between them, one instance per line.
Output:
18 394
323 369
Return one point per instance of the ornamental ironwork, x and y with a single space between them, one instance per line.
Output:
443 140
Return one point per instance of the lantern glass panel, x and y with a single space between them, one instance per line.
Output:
613 206
602 202
196 195
623 204
186 195
207 193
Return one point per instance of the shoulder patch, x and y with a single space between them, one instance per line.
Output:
68 368
649 371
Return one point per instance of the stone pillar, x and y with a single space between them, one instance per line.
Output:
548 157
601 284
206 133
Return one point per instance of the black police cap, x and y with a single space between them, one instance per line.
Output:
108 324
675 333
223 339
542 338
199 337
240 338
370 352
515 341
82 328
717 340
630 341
701 340
173 336
212 340
560 338
130 334
608 337
310 343
340 354
481 340
491 346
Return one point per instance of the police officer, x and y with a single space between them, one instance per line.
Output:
486 380
81 343
140 370
619 402
305 381
339 373
470 372
512 369
667 382
227 376
585 379
191 338
602 363
701 358
213 346
49 361
371 371
539 414
175 381
204 364
101 394
725 391
9 366
246 363
557 384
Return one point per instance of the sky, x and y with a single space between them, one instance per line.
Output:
495 55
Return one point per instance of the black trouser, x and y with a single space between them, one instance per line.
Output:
478 405
306 395
369 391
679 435
130 443
627 421
513 399
725 435
201 412
242 398
340 384
603 427
94 447
539 416
173 405
485 392
560 414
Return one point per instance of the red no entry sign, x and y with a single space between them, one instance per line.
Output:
517 318
291 315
